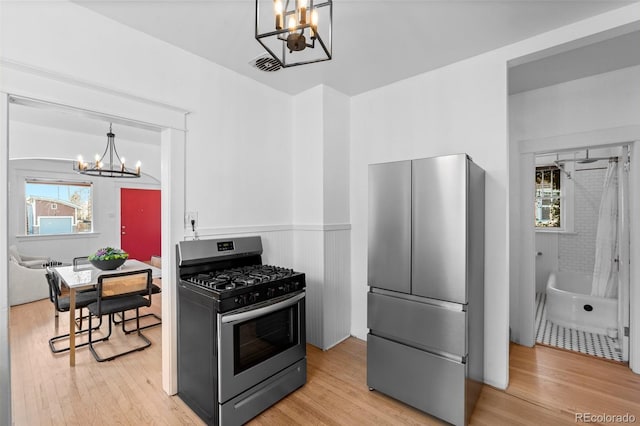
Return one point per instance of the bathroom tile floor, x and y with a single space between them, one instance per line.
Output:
552 334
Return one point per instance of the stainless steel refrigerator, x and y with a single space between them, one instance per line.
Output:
426 276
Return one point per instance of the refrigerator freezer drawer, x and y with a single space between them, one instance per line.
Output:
434 328
425 381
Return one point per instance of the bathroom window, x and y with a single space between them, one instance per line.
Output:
549 198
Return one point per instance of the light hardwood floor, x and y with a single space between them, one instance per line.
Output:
547 386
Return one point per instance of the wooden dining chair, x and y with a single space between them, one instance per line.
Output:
78 263
61 304
156 288
120 292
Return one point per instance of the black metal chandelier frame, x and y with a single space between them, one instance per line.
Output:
114 169
285 34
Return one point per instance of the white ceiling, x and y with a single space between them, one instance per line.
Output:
375 43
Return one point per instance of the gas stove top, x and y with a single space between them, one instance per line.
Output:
236 278
245 285
232 274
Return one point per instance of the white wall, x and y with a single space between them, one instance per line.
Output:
337 228
336 125
307 155
458 108
239 168
321 242
546 261
598 102
5 359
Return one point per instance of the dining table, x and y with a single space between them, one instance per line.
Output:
85 276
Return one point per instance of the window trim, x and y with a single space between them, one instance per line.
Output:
567 201
70 182
58 236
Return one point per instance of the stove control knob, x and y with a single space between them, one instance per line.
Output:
287 287
253 297
271 292
241 300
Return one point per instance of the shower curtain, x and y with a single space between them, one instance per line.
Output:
605 271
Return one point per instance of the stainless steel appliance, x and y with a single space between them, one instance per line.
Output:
241 329
426 276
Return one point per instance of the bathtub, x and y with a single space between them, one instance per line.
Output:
570 304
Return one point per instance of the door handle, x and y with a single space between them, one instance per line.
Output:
255 313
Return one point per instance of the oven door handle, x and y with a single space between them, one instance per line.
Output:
255 313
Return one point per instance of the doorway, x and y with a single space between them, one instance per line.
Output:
140 222
582 251
170 167
524 304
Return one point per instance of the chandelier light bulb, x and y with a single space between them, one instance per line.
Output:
138 165
302 12
292 24
314 23
277 5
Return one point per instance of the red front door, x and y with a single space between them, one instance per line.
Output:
140 222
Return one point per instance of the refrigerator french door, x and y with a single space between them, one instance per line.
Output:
426 278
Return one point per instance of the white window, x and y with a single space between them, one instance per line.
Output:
55 207
553 199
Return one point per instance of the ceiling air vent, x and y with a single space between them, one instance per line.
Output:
265 63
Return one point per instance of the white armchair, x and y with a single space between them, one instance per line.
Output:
26 284
27 261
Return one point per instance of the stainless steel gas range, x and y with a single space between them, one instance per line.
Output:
241 329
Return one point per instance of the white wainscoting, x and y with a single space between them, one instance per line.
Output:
322 252
337 287
308 255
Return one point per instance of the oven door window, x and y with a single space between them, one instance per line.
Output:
261 338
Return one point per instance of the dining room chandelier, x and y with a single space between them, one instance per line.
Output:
295 32
114 168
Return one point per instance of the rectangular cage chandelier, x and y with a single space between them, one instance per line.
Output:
295 32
